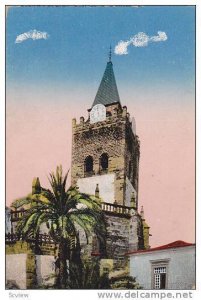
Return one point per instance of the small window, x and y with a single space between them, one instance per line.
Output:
89 164
160 278
104 162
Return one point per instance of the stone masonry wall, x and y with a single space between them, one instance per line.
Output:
117 240
94 140
123 233
132 154
113 136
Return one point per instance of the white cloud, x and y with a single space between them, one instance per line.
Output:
122 48
32 34
140 39
161 37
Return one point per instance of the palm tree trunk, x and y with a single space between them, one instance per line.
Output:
62 264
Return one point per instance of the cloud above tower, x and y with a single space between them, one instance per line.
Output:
140 39
32 34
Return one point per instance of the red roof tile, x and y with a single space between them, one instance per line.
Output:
175 244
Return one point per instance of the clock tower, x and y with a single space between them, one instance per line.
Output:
105 162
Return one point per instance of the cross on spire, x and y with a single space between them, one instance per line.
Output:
110 54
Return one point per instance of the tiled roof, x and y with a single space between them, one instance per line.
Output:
107 91
175 244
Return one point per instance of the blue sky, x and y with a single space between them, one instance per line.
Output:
79 39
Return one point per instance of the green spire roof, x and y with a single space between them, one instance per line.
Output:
107 91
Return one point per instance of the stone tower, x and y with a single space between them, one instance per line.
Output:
105 162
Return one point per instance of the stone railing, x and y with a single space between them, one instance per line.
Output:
45 238
115 208
12 238
41 238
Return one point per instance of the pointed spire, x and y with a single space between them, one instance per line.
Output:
107 92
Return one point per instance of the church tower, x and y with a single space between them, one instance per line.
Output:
105 163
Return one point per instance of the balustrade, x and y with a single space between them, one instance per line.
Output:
115 208
41 238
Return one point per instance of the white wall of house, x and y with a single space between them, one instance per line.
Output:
45 269
180 267
16 269
106 186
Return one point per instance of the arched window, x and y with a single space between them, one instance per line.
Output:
88 164
104 162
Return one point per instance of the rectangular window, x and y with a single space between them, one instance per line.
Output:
160 278
159 273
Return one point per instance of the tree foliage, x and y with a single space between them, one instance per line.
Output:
64 211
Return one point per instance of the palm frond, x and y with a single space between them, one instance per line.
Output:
87 200
67 211
40 199
28 224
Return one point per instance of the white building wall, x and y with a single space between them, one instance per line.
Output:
16 269
45 269
180 271
106 186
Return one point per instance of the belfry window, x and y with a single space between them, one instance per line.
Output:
88 164
104 162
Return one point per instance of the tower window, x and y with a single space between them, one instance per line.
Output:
104 162
89 164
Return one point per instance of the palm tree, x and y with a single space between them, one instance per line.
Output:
65 211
